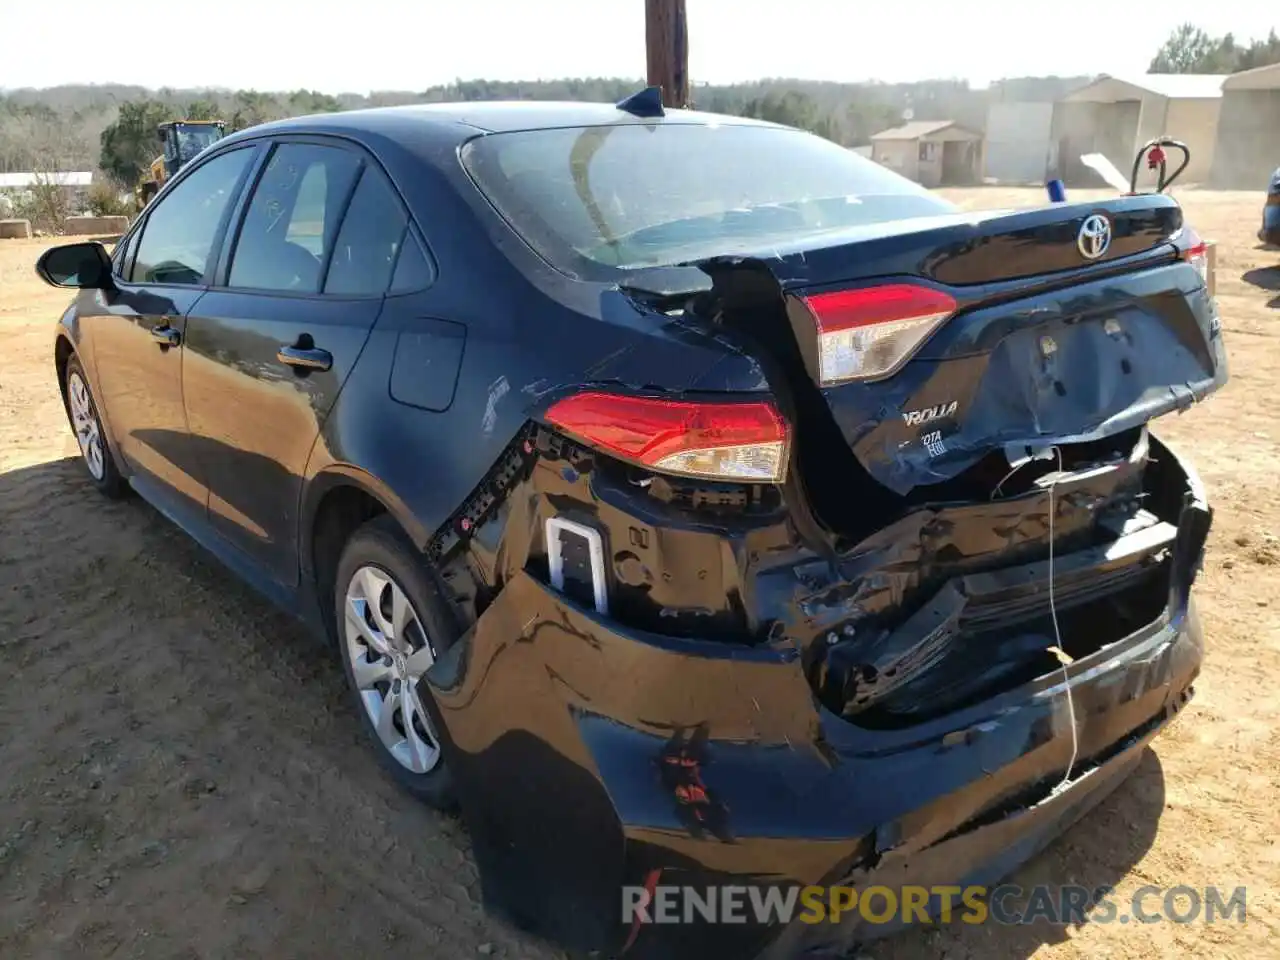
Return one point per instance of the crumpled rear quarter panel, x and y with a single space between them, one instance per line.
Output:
570 740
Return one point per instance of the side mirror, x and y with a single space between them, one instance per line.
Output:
85 266
160 135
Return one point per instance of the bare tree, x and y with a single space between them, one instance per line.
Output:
46 205
51 148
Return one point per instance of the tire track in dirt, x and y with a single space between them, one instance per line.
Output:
206 761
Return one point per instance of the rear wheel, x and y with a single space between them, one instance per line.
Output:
87 426
392 623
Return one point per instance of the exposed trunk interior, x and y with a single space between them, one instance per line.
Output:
965 627
843 497
981 622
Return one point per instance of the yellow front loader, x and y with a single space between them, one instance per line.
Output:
182 140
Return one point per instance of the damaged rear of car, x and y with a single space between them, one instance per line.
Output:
891 591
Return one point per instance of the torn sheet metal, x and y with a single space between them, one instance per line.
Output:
562 729
1113 355
589 753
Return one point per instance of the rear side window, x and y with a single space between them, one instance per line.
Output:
413 269
292 218
178 237
372 233
595 201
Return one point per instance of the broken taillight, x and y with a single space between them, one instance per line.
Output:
870 332
1197 254
716 441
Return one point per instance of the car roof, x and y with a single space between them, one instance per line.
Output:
467 119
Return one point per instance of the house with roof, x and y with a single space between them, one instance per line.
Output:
1114 116
931 152
1248 139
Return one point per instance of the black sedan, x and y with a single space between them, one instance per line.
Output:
689 499
1270 232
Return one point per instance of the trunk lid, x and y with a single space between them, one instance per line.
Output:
1038 344
978 247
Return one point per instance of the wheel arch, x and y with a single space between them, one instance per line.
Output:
63 348
336 503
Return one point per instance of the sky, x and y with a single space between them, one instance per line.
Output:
369 45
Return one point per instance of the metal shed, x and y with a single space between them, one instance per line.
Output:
1114 116
1248 138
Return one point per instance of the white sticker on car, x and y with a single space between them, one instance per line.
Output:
933 443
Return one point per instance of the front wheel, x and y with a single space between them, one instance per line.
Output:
87 425
392 622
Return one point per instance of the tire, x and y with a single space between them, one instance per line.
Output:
380 645
82 414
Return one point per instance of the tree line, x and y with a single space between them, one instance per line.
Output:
1190 50
111 127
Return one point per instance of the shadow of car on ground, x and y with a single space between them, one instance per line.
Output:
1266 278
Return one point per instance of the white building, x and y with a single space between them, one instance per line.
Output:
74 184
1248 141
1019 127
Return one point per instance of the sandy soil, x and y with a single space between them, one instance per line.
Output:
181 775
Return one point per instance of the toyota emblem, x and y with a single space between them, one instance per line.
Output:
1094 237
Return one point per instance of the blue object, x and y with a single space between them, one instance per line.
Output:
644 103
1057 191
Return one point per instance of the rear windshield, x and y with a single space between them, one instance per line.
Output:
598 201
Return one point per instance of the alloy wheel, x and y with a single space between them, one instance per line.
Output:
389 651
85 423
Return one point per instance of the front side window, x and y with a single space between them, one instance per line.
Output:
121 254
292 218
177 239
597 201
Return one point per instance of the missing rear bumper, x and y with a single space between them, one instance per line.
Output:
588 756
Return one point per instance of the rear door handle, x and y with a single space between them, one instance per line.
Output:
305 358
166 336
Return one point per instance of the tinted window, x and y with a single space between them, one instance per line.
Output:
292 218
372 231
599 199
306 226
120 256
413 270
178 236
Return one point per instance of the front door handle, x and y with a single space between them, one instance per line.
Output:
305 357
166 336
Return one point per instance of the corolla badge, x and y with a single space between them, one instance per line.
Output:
1094 237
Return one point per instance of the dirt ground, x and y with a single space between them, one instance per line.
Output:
181 775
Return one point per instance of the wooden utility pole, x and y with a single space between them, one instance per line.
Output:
666 37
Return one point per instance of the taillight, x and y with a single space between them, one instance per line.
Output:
1197 254
868 333
715 441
